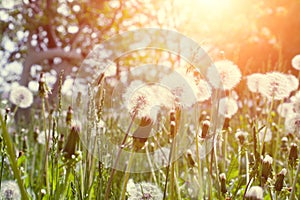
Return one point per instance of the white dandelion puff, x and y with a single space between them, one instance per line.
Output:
296 62
21 96
143 190
186 87
182 87
293 82
274 86
284 109
10 190
253 81
295 100
255 192
41 139
228 107
224 74
292 123
203 92
267 133
146 100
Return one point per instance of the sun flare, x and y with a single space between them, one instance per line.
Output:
215 3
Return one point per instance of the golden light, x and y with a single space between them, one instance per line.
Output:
215 4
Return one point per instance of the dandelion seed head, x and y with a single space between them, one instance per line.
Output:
10 190
21 96
274 85
224 74
295 100
268 135
253 81
41 137
203 91
293 82
143 190
292 123
147 100
183 87
228 107
255 192
296 62
284 109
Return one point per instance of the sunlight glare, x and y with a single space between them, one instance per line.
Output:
215 4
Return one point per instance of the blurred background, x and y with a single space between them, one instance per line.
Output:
53 35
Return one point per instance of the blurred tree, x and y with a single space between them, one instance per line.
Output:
57 35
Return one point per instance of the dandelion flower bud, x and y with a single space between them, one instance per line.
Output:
203 116
284 145
36 133
205 128
280 179
44 90
190 159
255 193
172 115
293 154
72 140
223 183
226 123
141 134
60 142
172 128
7 111
69 116
241 136
266 167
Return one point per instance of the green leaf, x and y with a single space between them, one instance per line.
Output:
233 169
21 160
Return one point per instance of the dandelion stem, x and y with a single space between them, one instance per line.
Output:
127 172
47 137
167 172
113 170
277 140
292 195
151 166
267 125
199 166
12 157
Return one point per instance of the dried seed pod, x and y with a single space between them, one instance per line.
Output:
69 116
226 123
205 128
266 167
141 134
293 155
284 144
190 159
72 140
44 90
280 179
222 177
